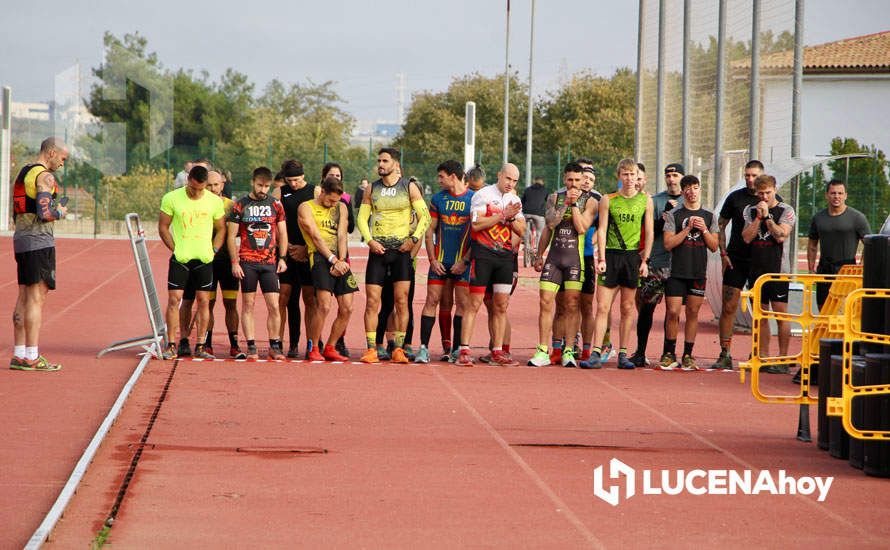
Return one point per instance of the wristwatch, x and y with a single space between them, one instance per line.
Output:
414 239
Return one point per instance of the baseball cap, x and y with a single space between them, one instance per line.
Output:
675 167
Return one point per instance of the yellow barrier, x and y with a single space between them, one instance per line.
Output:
851 327
813 328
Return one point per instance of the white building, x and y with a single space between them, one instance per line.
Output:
846 93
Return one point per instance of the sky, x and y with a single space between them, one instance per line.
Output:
360 45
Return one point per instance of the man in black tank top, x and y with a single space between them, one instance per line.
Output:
297 278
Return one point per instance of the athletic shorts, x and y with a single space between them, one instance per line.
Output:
35 266
622 269
193 273
776 291
676 287
739 276
290 276
323 280
264 274
588 285
562 270
496 272
463 279
222 276
392 265
652 287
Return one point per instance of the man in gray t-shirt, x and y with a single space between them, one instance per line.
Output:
835 234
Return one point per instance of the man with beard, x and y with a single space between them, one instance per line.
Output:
258 219
384 220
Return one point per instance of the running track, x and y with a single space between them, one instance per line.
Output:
294 454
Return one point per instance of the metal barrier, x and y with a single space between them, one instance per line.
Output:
851 328
155 342
813 328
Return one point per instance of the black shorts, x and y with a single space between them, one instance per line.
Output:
776 291
589 284
496 273
264 274
676 287
192 274
35 266
323 280
290 276
222 276
652 286
740 275
622 269
392 265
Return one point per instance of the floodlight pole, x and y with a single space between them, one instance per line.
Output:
469 134
754 93
507 87
659 101
687 40
5 157
795 116
531 102
718 120
638 133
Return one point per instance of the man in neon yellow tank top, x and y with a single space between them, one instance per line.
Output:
323 221
619 260
384 220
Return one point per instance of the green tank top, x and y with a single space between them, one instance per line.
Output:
628 214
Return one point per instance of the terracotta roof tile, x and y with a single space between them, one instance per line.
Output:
869 53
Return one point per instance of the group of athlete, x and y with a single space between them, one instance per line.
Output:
640 248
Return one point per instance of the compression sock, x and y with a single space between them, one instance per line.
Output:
644 326
233 339
687 348
371 339
426 328
458 327
670 346
445 326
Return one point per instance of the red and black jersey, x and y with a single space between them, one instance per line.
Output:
258 228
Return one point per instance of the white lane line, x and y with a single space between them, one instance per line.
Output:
542 485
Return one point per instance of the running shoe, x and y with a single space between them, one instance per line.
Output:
315 355
688 363
585 354
486 358
446 356
370 356
236 353
292 352
776 369
423 355
556 356
209 349
464 359
382 354
170 352
184 349
409 352
331 354
342 349
639 360
399 356
276 354
568 358
624 363
453 357
16 362
446 345
39 364
252 354
541 358
502 358
595 362
724 362
668 361
202 353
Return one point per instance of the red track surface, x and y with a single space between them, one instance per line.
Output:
293 454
